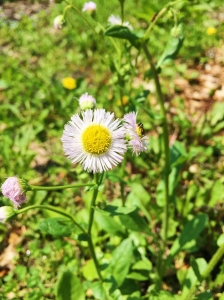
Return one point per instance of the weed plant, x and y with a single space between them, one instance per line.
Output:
151 228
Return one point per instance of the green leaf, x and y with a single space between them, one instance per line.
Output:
171 50
217 194
135 222
220 240
191 278
121 261
57 227
190 232
111 210
123 32
89 270
70 287
107 223
142 265
139 275
178 154
98 290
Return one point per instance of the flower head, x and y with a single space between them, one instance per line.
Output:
58 22
13 188
69 83
89 6
137 141
116 20
6 212
211 30
95 139
87 101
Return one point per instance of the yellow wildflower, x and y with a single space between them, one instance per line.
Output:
69 83
125 100
211 30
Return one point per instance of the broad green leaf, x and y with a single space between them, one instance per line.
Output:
135 222
108 224
130 287
205 296
89 270
191 278
217 113
171 50
190 232
140 275
178 154
220 240
121 261
142 265
70 287
111 210
217 194
57 227
98 290
123 32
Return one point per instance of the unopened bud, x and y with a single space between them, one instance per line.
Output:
6 213
87 102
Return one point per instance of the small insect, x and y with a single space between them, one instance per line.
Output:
140 129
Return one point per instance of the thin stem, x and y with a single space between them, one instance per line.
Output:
166 148
82 15
158 16
122 182
91 217
122 10
213 262
51 208
59 187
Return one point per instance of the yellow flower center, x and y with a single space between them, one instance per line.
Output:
96 139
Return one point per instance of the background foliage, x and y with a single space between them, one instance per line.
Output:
34 108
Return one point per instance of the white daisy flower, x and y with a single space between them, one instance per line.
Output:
95 139
137 141
116 20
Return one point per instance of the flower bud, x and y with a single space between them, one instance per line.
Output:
6 213
58 22
90 7
15 189
87 101
176 31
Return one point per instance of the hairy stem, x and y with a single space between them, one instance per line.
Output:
54 209
166 149
91 218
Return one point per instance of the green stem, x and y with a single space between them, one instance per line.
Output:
122 10
59 187
122 176
82 15
213 262
166 148
91 217
51 208
158 16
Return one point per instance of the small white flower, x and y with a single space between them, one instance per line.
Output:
87 102
96 140
89 6
58 22
6 212
116 20
137 141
